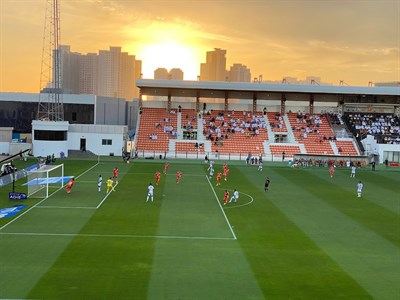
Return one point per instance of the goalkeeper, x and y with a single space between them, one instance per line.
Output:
69 185
110 183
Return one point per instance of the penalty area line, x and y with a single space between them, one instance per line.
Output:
220 206
67 207
176 237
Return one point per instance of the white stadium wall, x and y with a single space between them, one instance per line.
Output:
4 148
95 135
94 143
42 147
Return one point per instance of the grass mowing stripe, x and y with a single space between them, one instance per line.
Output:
34 255
197 269
379 189
117 236
201 270
220 206
24 260
368 257
286 262
378 219
93 266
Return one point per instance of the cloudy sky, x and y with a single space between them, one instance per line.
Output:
356 41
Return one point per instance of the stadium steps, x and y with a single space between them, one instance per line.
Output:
207 146
179 130
271 136
334 148
267 149
290 135
200 135
81 154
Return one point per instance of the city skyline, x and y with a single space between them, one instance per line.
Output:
354 41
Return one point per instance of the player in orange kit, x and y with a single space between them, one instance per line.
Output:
115 174
70 185
332 171
178 176
219 175
226 173
157 176
226 197
166 167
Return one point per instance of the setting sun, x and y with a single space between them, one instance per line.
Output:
169 55
169 45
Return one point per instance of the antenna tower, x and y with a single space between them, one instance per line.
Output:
50 106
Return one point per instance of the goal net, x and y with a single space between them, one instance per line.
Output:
45 180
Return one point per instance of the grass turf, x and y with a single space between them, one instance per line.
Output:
309 237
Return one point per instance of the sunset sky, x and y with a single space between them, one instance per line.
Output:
357 41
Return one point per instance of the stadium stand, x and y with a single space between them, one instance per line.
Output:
385 127
276 122
235 132
346 148
314 131
289 150
240 132
189 147
157 126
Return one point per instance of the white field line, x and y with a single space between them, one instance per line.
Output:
244 204
162 174
220 206
86 181
118 236
37 204
67 207
106 196
87 170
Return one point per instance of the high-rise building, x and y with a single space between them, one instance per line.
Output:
111 73
69 67
88 70
173 74
214 69
115 74
161 73
239 73
176 74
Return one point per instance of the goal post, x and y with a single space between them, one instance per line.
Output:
45 180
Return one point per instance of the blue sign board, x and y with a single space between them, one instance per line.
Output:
17 196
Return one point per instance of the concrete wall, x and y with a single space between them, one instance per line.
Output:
4 148
94 142
111 111
94 136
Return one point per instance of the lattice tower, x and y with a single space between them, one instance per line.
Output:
50 107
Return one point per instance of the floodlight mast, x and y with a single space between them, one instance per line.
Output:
50 104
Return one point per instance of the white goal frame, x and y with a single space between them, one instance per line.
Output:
44 179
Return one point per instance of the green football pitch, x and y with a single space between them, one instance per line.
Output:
308 237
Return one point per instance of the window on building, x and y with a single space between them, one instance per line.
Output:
48 135
106 142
